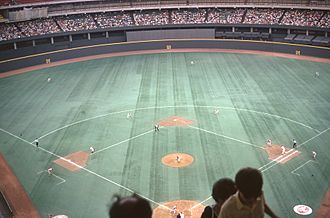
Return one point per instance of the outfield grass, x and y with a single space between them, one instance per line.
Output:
86 104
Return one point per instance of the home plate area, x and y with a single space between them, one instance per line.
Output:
274 152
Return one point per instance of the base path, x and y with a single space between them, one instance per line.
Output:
14 192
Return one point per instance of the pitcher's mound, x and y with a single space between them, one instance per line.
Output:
191 209
177 160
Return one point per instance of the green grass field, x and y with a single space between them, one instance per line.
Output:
86 104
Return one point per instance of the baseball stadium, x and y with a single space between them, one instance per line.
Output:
161 99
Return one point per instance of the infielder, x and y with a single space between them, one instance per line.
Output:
283 149
36 142
314 154
294 143
269 142
173 210
50 171
156 127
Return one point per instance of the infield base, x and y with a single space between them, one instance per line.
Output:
188 207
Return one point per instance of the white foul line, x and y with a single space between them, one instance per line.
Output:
281 156
63 180
313 137
53 174
300 167
284 158
227 137
126 140
85 169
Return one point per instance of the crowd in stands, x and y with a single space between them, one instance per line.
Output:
302 17
325 20
191 16
9 31
263 16
39 27
235 16
146 18
225 16
76 22
116 19
217 15
81 22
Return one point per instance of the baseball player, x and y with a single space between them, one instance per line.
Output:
314 154
129 116
269 142
178 158
49 79
156 127
216 111
50 171
92 149
173 210
294 143
283 149
36 142
317 75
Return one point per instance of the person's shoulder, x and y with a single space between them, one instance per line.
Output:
231 201
207 212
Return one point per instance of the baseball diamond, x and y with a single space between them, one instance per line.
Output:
164 109
86 103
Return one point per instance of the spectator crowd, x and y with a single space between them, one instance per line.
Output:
79 22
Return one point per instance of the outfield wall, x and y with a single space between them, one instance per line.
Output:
68 53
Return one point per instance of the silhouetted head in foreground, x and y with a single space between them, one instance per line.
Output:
223 189
249 183
130 207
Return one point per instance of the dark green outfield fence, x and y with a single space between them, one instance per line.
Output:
38 56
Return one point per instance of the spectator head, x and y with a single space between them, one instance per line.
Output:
249 184
130 207
223 189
